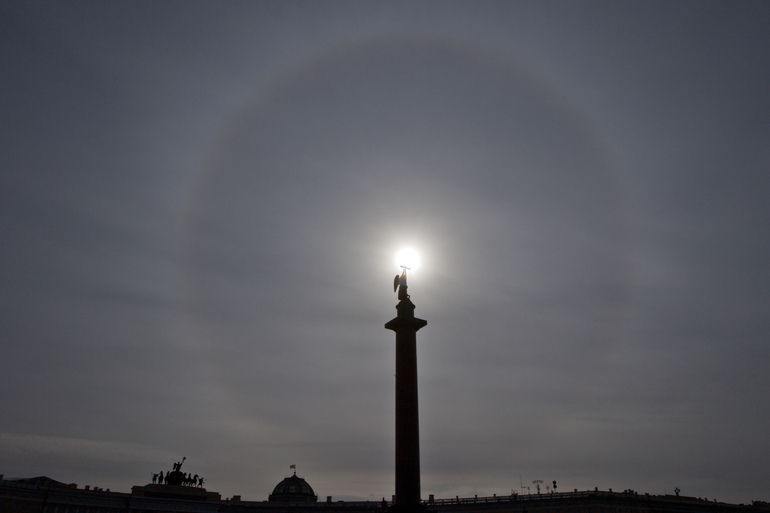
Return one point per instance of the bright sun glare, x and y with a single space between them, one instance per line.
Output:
408 257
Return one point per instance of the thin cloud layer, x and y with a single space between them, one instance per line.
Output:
202 205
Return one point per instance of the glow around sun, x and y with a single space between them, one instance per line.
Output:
408 257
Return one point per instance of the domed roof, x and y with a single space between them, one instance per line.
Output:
293 489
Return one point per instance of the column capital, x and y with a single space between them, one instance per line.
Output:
405 317
399 323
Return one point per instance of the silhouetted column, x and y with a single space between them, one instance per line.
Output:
407 412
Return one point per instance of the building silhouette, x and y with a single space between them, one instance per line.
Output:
293 495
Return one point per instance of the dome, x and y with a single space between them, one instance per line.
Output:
293 489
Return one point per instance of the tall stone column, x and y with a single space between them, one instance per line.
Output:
406 325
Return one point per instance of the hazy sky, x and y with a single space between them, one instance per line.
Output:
202 202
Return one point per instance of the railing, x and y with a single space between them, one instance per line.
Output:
502 499
538 497
518 498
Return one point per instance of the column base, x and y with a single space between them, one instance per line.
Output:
408 508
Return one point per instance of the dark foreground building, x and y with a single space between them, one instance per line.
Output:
294 495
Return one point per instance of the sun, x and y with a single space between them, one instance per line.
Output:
408 257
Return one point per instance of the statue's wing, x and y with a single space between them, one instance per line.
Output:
396 282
